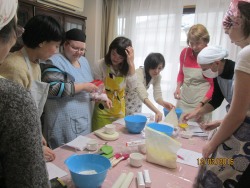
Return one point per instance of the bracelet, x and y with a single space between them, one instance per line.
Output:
202 103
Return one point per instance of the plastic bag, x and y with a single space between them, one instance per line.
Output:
100 93
161 148
171 118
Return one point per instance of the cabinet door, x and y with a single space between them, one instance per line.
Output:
25 12
74 22
56 15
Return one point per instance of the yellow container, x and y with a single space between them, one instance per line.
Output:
183 125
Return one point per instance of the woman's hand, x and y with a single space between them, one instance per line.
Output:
177 93
89 87
130 55
191 115
207 150
210 126
158 116
130 60
168 105
48 154
108 103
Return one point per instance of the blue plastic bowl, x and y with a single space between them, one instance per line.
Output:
162 128
135 123
87 162
178 112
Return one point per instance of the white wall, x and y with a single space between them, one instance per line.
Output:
93 12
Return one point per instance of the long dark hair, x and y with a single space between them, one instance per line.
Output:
151 62
119 44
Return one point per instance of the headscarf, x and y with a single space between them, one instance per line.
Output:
211 54
8 9
232 14
75 34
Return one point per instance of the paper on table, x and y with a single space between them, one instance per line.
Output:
79 143
54 171
194 127
190 157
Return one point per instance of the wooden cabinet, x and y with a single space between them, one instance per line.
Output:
29 8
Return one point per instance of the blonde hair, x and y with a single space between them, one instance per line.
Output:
197 32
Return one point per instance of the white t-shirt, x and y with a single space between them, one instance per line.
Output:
243 63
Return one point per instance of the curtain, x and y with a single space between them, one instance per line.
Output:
210 13
109 24
155 26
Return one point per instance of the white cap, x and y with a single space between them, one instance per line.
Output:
8 9
211 54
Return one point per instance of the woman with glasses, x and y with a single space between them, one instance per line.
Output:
147 75
117 71
42 37
22 163
69 75
193 90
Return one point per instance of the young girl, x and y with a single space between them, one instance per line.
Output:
117 71
149 74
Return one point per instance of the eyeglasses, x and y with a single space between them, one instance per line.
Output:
19 31
77 49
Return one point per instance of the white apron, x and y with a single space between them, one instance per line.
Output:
39 90
193 90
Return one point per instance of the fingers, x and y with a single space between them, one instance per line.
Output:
185 118
129 50
130 55
158 117
49 155
176 96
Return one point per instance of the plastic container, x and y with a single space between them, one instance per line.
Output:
162 128
178 112
88 170
135 123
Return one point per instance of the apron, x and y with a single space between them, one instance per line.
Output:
235 152
193 90
115 90
39 90
226 88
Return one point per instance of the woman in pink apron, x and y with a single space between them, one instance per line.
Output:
117 71
193 89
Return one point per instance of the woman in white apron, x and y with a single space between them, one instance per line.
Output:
193 89
23 66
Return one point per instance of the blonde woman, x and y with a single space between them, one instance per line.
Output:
193 89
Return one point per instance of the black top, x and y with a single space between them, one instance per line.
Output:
228 73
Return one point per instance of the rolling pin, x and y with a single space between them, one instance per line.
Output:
120 180
128 180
